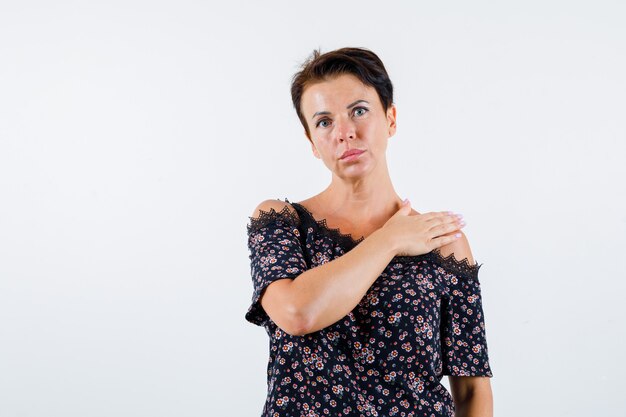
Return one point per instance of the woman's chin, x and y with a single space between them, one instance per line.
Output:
353 171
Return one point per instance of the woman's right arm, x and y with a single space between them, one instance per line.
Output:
323 295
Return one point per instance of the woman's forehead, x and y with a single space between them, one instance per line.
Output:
338 91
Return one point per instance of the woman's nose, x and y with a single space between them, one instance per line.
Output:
344 129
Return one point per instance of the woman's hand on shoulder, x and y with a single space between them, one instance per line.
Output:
417 234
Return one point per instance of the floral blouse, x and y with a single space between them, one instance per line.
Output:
421 319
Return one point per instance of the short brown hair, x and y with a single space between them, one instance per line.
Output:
360 62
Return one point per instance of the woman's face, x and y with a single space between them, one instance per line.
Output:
344 114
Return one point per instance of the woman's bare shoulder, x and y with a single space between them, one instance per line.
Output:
460 248
278 206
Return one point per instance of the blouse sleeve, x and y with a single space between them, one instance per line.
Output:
463 335
275 253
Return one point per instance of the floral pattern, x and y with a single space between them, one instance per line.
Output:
420 320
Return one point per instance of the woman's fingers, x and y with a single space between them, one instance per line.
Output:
441 216
443 219
428 231
446 225
443 240
444 229
434 215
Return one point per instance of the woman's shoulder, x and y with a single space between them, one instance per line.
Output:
275 205
273 209
459 249
457 258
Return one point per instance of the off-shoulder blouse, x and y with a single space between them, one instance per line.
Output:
420 320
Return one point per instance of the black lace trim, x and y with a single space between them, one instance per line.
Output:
345 239
266 217
451 264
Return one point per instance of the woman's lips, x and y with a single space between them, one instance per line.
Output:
351 155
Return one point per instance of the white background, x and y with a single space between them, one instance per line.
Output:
137 136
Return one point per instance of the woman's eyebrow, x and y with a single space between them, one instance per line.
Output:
357 102
319 113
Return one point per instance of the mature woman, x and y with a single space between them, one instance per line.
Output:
365 300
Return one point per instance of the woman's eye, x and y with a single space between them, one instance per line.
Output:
360 111
323 123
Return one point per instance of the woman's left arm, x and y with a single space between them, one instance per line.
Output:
472 396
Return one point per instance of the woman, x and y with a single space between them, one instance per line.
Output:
364 299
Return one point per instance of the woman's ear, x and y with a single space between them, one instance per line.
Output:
391 119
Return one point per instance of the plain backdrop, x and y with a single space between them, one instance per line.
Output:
136 137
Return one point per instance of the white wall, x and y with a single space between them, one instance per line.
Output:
136 137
